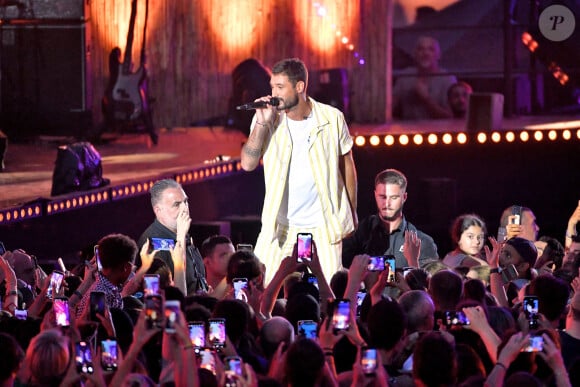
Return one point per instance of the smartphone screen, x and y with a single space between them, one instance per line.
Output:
207 360
55 283
531 306
304 242
217 332
341 315
162 244
171 315
2 248
234 365
456 318
509 274
311 279
360 297
240 286
368 360
517 215
154 311
98 301
390 259
197 334
151 284
98 259
109 355
376 263
83 358
21 314
244 246
61 312
307 329
536 344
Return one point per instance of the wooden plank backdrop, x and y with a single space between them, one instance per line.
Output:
193 45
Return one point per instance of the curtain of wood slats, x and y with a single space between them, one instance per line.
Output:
193 45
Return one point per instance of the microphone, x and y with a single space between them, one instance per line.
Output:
259 104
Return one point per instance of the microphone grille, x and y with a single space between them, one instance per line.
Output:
274 101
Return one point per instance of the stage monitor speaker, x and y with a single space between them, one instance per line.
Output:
333 89
485 111
45 81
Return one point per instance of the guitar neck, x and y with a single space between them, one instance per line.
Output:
130 35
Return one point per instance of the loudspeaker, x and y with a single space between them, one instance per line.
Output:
333 90
45 85
485 111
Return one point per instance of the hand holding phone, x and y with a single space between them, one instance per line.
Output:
109 355
171 315
151 284
61 311
368 360
197 335
307 329
240 288
376 263
304 244
456 318
390 260
83 358
217 332
97 305
340 315
154 311
163 244
56 278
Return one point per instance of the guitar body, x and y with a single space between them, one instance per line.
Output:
129 95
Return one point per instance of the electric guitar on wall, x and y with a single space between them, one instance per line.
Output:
125 101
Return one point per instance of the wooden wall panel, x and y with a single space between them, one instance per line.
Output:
193 45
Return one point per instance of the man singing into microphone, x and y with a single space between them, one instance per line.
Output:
309 171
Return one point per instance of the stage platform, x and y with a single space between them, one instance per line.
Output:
446 178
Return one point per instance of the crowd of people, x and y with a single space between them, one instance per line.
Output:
362 303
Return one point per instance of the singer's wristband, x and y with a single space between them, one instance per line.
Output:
263 123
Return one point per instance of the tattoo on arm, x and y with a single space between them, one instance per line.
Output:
253 152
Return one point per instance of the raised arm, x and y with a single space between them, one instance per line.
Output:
262 125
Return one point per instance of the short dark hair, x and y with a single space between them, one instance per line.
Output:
386 322
293 68
304 363
552 293
446 289
13 356
243 264
434 361
210 243
115 250
391 176
462 223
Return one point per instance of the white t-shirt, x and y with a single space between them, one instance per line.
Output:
301 196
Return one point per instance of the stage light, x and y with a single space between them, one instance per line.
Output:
524 136
447 139
418 139
510 136
481 137
462 138
359 140
389 140
404 139
552 135
578 134
432 139
566 135
374 140
538 135
495 137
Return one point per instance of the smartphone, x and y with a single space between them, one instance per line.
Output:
509 274
154 311
501 234
307 329
304 242
98 259
217 332
171 315
456 318
234 365
162 244
151 284
207 360
61 311
517 215
340 315
390 259
536 344
407 270
2 248
360 297
531 310
244 246
240 286
368 360
376 263
21 314
197 335
56 279
311 279
97 305
83 358
109 355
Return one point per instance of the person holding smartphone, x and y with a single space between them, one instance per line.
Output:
216 252
172 221
309 170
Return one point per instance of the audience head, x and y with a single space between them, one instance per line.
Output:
573 316
158 266
474 289
553 294
168 200
501 320
469 363
468 233
244 264
237 317
302 307
338 282
117 254
419 310
13 356
528 222
446 289
47 357
418 279
572 257
304 363
521 253
390 194
275 331
216 252
549 250
434 362
24 266
383 314
458 98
